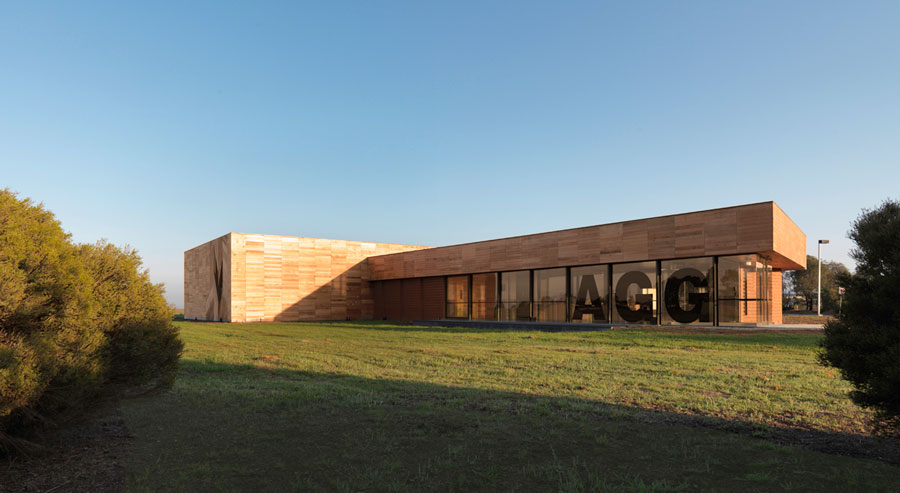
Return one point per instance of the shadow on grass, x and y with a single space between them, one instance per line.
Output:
241 427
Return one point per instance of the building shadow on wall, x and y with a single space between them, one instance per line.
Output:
347 296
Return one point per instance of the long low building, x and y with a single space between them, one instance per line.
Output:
715 267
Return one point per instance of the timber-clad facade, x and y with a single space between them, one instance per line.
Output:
715 267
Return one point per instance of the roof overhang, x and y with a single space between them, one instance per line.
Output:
761 228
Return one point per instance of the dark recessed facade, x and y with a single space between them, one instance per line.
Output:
715 267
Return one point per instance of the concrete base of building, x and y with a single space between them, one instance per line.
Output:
511 325
576 327
779 327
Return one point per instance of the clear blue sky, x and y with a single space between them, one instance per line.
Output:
163 125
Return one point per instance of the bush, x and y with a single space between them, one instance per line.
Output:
864 342
73 318
19 373
142 344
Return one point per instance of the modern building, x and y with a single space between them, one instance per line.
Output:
715 267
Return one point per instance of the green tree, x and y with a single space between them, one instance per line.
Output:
864 342
830 295
141 342
44 310
805 282
72 318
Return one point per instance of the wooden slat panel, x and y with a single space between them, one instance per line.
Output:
409 299
433 298
393 299
754 228
790 242
412 299
284 278
775 295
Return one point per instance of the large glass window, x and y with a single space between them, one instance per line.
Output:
634 291
515 302
550 295
765 295
589 300
686 291
458 297
484 296
743 290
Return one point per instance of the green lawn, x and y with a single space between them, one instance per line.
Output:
370 406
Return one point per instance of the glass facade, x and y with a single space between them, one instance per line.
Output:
484 296
458 297
687 291
515 295
589 298
634 293
726 290
550 295
743 283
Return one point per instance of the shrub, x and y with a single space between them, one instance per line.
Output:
142 344
864 342
43 305
72 317
20 379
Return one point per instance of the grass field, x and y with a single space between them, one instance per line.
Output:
369 406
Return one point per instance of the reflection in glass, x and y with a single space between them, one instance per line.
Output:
484 296
686 291
743 283
550 295
458 297
590 294
691 291
515 300
765 274
635 293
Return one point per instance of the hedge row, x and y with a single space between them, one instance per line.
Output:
73 318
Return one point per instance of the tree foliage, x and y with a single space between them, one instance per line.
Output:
72 317
133 315
864 343
805 282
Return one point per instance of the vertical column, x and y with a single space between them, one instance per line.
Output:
657 292
715 293
498 304
610 295
531 295
775 297
470 297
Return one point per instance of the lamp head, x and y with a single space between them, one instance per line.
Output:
823 242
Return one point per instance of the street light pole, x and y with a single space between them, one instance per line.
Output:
819 301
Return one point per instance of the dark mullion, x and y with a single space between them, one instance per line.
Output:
568 292
658 292
715 291
470 297
497 301
610 295
532 309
